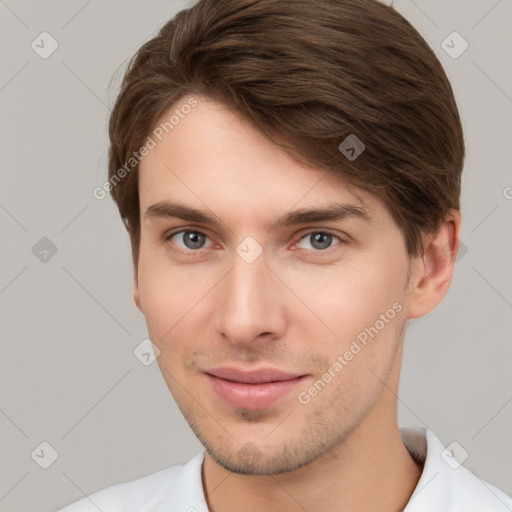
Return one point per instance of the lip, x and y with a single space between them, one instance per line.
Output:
251 389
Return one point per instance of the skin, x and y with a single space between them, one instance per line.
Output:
297 307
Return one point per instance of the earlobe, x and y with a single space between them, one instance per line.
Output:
433 272
136 292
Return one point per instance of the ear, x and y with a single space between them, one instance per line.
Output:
136 291
134 241
432 272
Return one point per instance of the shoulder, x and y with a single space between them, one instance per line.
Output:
447 486
176 486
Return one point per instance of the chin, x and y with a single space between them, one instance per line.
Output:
252 462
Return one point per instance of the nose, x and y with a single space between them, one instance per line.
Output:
250 305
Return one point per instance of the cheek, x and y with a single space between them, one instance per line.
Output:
167 291
167 302
348 299
159 301
175 300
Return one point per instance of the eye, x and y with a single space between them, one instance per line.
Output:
189 239
318 241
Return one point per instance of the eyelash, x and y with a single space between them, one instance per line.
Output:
168 237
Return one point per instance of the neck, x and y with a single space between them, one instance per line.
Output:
371 470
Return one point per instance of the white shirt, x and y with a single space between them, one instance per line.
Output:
444 486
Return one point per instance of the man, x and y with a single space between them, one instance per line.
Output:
289 175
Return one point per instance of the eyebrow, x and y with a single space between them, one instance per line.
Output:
331 212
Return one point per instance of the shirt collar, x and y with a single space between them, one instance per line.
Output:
444 486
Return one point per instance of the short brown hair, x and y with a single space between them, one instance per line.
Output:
307 75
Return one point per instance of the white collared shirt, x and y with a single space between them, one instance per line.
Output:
444 486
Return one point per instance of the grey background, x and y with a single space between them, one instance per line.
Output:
68 374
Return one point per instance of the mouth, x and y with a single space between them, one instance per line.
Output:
254 389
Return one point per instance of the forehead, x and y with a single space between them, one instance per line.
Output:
211 155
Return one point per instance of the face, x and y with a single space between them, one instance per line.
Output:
274 292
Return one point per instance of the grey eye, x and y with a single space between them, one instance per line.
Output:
319 240
190 239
